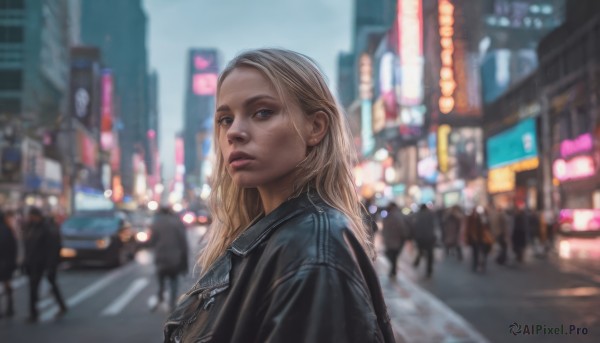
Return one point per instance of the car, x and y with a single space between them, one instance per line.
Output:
141 222
98 237
203 216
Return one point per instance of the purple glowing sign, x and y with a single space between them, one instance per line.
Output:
583 143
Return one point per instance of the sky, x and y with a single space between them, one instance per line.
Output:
320 29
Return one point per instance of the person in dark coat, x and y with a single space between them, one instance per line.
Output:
424 225
520 234
452 223
479 237
289 256
42 243
8 261
395 233
170 244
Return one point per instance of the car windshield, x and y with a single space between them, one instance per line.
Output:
91 224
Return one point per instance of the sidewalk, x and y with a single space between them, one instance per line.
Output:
418 316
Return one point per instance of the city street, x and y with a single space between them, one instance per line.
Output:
455 305
548 292
105 305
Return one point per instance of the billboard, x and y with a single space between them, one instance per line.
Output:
513 145
84 102
204 68
410 51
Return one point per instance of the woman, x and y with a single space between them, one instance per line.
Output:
289 256
8 260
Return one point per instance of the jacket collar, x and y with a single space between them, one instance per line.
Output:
216 278
260 228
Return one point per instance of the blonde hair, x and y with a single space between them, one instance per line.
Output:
326 168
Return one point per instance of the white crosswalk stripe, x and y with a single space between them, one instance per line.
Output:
89 291
117 306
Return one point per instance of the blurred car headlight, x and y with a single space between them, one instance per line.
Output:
103 243
202 219
142 237
188 218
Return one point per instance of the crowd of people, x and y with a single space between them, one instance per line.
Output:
479 229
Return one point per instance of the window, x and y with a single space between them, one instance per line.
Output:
11 34
10 80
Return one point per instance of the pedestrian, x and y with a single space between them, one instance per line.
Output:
424 225
169 240
499 229
42 243
519 235
395 233
479 238
8 261
452 223
289 257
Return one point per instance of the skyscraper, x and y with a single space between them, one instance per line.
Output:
119 29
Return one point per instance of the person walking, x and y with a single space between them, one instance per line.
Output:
169 240
8 261
519 237
452 223
424 225
395 233
289 257
42 243
499 230
479 238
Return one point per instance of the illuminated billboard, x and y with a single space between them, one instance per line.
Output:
513 145
410 51
204 68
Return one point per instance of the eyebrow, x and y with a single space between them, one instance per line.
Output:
247 102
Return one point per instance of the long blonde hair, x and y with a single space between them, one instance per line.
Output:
326 168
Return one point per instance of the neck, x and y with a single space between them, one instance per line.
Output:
272 198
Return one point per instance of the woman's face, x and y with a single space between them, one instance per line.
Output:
257 139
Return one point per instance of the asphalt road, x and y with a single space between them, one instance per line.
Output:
455 305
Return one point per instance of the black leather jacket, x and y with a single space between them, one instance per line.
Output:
295 275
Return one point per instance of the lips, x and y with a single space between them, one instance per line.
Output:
239 155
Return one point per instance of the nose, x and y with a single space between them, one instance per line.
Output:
237 132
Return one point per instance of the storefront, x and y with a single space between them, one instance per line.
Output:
513 166
577 183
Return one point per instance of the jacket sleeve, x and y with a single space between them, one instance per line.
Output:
319 303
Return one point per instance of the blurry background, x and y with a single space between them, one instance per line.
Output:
106 110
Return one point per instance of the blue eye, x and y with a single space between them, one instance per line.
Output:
224 121
263 114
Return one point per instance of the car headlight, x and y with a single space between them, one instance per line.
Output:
103 243
142 237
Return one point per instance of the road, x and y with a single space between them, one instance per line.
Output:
105 305
455 305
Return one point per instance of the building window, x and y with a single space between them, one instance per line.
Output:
12 4
10 80
11 34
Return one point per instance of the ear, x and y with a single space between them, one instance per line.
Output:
318 124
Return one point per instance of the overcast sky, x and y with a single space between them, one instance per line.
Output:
317 28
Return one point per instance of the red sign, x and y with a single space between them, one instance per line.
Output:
576 168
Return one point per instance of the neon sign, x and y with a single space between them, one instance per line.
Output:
410 50
583 143
204 84
576 168
443 132
447 81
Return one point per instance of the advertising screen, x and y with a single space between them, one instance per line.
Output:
513 145
205 69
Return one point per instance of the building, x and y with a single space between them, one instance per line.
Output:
201 85
35 37
103 24
569 77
